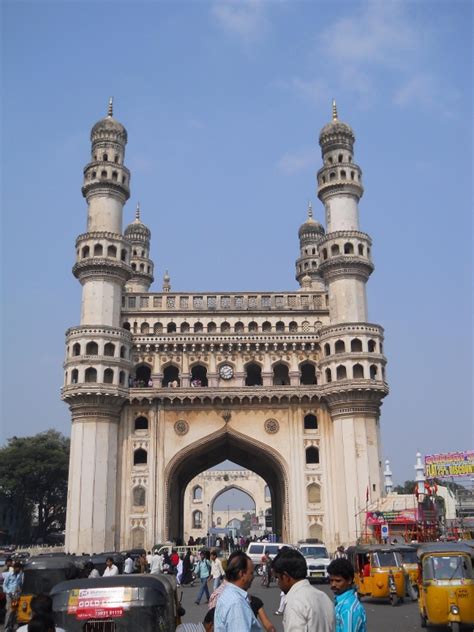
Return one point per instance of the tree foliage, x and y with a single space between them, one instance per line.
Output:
33 482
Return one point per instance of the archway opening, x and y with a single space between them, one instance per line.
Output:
206 454
142 375
281 375
308 374
199 375
236 510
171 376
253 375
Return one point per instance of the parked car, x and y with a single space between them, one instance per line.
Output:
256 550
317 560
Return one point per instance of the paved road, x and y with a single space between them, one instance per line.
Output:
381 617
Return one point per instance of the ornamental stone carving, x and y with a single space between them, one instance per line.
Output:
272 426
181 427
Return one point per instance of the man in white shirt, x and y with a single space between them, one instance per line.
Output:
156 562
307 608
110 569
128 565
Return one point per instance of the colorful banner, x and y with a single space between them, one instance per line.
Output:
451 464
99 603
402 516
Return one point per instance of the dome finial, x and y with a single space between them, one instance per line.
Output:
334 110
310 210
110 111
137 212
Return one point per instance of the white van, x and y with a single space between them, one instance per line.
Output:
255 551
317 560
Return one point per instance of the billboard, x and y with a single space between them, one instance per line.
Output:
451 464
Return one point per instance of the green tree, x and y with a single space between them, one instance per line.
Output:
408 487
33 482
247 523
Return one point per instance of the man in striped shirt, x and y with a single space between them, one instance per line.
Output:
350 614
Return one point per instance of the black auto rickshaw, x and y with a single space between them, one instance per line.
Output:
122 603
41 573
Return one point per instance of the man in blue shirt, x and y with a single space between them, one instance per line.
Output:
350 614
12 588
233 611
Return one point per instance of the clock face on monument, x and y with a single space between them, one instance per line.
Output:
226 372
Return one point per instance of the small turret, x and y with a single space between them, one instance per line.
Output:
387 474
310 234
166 282
138 235
420 474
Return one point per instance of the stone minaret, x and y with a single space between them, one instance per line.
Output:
387 475
142 266
307 265
98 350
353 364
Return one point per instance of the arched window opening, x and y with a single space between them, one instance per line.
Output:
339 158
343 174
266 327
211 327
108 376
348 248
90 375
144 328
105 158
122 378
123 352
383 374
197 520
308 374
266 494
268 519
135 327
135 252
112 251
314 493
330 160
253 327
141 423
239 327
124 179
293 327
312 455
310 422
357 371
334 250
92 348
324 179
142 376
140 457
341 372
76 349
328 375
85 252
142 267
371 346
157 328
109 349
352 175
219 522
332 175
306 266
281 376
356 345
197 493
126 326
253 376
98 250
198 328
171 328
114 175
313 251
280 326
94 175
134 265
116 159
171 376
103 173
373 372
325 253
74 376
225 328
184 328
327 349
340 346
123 255
199 376
139 496
360 249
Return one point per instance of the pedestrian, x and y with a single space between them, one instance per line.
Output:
257 608
7 567
43 623
217 571
282 604
128 565
12 585
110 569
350 614
156 562
307 608
148 558
143 563
187 575
206 626
340 553
174 557
202 570
41 608
90 571
166 563
179 570
233 611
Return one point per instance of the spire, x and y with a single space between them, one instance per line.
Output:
166 282
310 210
388 478
110 111
137 213
334 110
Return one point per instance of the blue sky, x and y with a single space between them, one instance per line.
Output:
223 103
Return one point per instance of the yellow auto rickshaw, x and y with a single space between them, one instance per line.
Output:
378 572
409 558
446 585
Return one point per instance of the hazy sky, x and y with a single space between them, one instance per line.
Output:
223 103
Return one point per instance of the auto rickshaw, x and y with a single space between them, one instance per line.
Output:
121 603
41 573
378 572
409 559
446 585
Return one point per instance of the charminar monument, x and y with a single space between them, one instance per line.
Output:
165 385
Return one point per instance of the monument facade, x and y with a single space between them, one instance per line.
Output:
164 385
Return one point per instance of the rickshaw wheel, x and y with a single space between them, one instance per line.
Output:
393 600
416 593
423 621
455 627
